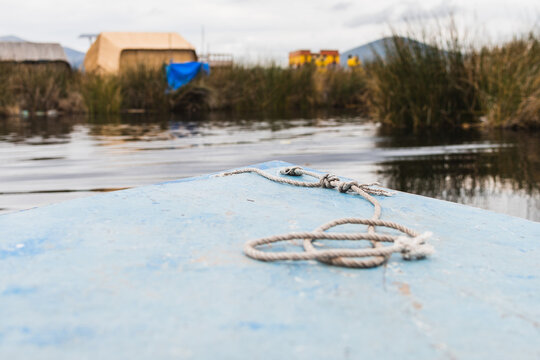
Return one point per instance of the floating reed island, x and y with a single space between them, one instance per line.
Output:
439 82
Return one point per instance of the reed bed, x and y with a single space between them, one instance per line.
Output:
265 88
437 82
509 82
6 92
101 94
422 84
274 88
33 87
443 81
144 88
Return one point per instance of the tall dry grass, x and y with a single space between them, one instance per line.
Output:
342 88
509 82
266 88
6 91
37 87
101 94
274 88
144 88
138 88
422 83
444 81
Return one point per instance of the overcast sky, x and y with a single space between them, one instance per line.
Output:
258 30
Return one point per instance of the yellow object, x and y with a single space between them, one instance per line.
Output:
299 58
331 60
331 57
113 52
326 58
353 62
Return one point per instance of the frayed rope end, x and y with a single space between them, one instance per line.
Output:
415 248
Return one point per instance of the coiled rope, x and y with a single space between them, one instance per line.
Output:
409 244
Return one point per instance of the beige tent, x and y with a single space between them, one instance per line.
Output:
113 52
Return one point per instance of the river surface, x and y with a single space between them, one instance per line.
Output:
44 161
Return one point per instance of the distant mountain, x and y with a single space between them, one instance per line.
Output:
369 51
11 38
74 57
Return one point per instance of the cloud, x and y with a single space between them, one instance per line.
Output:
340 6
376 18
439 11
401 12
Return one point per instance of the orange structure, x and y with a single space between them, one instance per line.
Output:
323 59
299 58
330 57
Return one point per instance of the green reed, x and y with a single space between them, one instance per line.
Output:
37 87
101 94
509 82
419 84
265 88
274 88
144 88
6 92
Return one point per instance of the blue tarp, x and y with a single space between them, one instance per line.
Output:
179 74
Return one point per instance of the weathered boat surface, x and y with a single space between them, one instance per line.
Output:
158 272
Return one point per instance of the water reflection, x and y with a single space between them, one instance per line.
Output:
49 160
36 131
503 176
512 158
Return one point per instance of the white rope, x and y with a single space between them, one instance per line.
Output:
410 244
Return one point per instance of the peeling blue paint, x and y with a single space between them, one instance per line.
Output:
51 336
30 247
158 263
18 290
256 325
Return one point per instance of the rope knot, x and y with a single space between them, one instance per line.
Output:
326 181
292 171
414 248
343 187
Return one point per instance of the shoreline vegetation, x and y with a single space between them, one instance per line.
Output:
442 84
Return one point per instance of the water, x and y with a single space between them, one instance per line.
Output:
43 161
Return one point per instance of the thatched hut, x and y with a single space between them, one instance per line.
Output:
33 53
113 52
